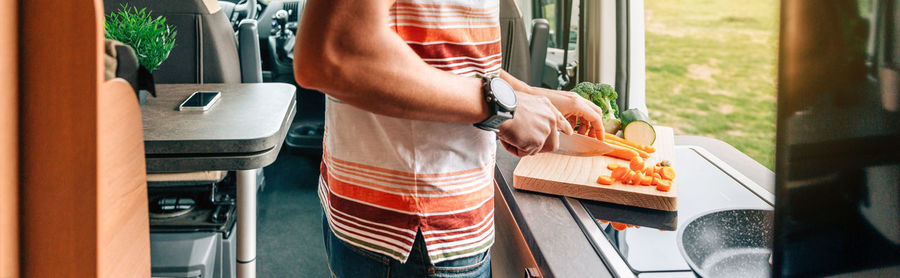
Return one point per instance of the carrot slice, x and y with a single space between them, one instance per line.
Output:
618 173
613 166
627 177
668 173
618 226
656 180
664 186
622 153
646 180
607 180
636 179
637 164
642 147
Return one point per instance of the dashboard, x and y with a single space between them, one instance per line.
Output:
266 23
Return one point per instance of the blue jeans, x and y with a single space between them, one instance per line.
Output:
348 261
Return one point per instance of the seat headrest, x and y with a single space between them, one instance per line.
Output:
159 7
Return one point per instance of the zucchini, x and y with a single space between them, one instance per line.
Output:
637 127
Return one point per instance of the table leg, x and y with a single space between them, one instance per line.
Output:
246 223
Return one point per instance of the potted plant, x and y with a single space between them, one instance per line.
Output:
150 37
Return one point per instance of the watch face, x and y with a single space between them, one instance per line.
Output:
504 93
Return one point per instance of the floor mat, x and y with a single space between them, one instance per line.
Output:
289 233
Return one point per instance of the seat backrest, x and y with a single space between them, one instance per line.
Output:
205 47
540 39
514 41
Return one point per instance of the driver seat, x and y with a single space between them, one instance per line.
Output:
206 50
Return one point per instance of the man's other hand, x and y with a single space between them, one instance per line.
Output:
533 128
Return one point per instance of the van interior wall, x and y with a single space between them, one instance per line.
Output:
74 220
9 118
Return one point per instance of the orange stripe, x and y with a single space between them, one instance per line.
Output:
408 203
356 180
407 181
423 34
406 174
439 23
416 13
442 6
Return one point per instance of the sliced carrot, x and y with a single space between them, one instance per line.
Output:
640 152
607 180
636 164
618 173
642 147
603 221
613 166
656 180
664 186
621 153
618 226
627 177
636 179
646 180
655 175
668 173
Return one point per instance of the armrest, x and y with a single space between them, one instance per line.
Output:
248 50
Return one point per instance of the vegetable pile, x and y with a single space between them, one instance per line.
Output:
635 173
605 97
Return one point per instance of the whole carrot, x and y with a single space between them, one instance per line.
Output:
640 152
622 153
642 147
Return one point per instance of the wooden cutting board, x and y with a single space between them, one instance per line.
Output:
577 177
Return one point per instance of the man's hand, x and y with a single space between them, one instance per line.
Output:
569 104
574 106
533 128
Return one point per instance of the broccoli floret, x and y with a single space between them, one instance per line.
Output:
604 96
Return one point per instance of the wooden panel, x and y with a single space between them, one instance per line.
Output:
83 213
9 156
60 78
577 177
124 224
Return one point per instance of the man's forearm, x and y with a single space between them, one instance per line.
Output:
353 56
556 97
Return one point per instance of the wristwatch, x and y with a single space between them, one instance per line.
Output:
501 100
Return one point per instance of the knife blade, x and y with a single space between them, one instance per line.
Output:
580 145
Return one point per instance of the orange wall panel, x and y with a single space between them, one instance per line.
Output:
9 160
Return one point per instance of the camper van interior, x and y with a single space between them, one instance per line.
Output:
185 147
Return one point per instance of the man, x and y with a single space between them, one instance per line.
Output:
410 131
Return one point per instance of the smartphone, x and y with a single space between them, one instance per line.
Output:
200 101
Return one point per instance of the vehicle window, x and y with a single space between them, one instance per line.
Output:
552 11
711 68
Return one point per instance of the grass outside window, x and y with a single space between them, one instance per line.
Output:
711 68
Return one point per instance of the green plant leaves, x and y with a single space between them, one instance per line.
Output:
151 38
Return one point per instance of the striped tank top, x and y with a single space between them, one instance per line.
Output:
385 179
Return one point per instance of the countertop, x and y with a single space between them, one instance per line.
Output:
559 245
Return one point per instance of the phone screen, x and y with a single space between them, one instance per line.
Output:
200 99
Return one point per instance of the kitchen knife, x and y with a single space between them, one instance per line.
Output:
580 145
